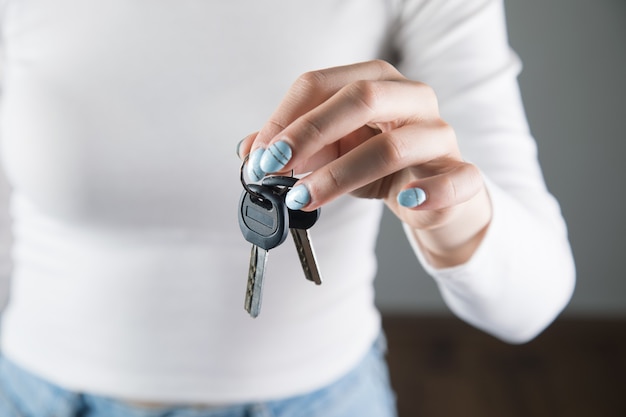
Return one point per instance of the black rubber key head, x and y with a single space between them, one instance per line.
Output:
263 219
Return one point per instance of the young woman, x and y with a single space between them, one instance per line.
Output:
118 125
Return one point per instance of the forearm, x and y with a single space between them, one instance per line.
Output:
518 279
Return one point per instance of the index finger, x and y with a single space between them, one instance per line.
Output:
385 104
309 91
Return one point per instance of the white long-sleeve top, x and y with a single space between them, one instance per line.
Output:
119 121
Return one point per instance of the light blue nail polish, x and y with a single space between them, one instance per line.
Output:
412 197
254 168
297 197
276 157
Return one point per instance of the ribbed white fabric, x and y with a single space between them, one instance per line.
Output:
119 123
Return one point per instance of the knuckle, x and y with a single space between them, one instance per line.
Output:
461 184
382 64
427 90
474 176
446 135
334 178
276 125
426 94
365 93
310 127
385 68
311 80
452 189
446 131
393 150
447 191
271 128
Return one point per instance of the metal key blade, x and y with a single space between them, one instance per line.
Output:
254 290
306 254
263 220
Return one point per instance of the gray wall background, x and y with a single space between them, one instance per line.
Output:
574 90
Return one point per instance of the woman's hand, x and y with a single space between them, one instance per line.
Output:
365 129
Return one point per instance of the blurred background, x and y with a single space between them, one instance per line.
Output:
574 89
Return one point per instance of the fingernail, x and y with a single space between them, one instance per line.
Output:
239 147
254 169
276 157
297 197
412 197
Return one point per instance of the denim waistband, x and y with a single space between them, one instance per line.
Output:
364 391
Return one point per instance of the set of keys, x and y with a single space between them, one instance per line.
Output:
264 220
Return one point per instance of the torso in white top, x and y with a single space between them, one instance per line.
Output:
119 124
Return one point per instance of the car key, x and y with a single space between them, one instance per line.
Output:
263 220
299 224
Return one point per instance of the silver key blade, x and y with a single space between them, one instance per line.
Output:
254 289
306 254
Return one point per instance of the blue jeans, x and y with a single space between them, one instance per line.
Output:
365 392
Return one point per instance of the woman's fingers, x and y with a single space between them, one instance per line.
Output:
420 150
367 130
459 183
385 105
320 108
314 87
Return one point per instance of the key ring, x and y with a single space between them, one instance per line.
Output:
243 181
248 189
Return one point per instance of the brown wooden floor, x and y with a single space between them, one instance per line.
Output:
441 367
